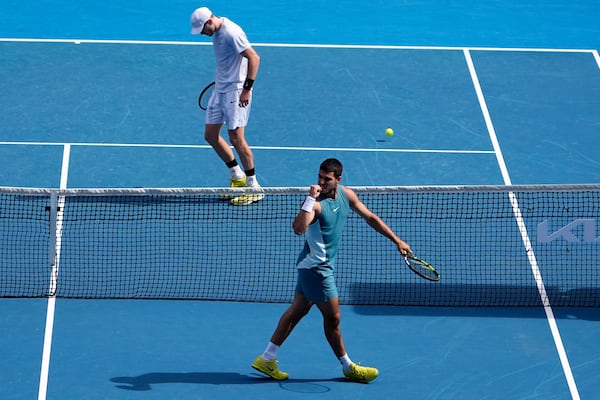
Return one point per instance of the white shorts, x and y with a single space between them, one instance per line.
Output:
224 108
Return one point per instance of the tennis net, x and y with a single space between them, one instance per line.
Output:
493 245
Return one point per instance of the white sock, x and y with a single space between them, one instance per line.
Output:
346 362
236 172
270 352
251 180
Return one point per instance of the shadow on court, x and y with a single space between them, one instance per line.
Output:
582 313
145 381
464 296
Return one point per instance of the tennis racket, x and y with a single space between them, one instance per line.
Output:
421 267
205 96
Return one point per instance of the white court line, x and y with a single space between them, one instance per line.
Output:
524 235
282 148
58 205
597 57
294 45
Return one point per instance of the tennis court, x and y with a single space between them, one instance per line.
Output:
476 97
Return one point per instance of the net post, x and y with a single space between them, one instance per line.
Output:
53 253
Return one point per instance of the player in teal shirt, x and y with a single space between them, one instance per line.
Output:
321 219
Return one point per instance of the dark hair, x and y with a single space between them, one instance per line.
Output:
332 165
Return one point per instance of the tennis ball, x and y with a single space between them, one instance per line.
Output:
389 131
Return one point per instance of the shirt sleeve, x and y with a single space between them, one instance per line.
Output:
240 42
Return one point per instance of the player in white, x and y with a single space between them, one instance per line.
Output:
236 69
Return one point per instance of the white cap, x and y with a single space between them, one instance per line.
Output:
199 18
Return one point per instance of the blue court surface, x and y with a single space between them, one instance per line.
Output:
98 95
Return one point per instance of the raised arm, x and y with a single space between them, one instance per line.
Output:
310 210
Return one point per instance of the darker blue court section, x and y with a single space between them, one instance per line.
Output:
22 326
31 165
102 93
350 96
545 109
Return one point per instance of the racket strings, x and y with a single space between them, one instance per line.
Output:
422 268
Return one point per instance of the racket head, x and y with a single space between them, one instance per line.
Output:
205 95
421 268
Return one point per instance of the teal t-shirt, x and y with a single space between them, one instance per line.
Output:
323 236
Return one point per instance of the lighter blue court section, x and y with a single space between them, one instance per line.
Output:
535 23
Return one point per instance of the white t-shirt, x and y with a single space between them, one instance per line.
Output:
231 67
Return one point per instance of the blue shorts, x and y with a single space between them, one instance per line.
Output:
224 108
316 284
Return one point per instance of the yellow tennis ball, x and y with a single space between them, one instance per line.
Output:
389 131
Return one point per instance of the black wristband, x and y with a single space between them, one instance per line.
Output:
248 83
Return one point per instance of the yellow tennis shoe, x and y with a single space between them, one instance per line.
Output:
358 373
249 198
269 368
234 183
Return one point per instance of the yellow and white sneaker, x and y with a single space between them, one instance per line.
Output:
233 183
358 373
269 368
246 199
